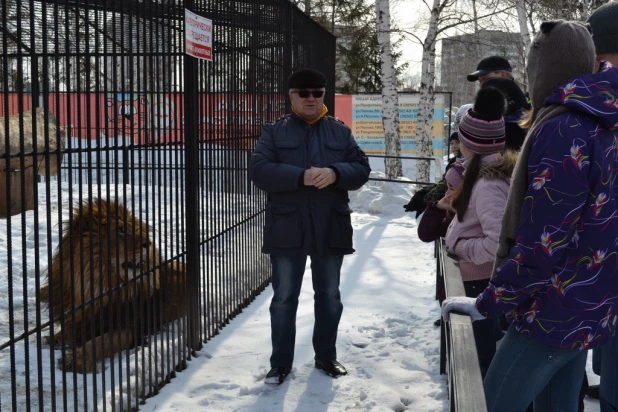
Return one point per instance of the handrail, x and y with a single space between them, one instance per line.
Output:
465 383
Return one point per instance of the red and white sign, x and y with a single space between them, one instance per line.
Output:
198 36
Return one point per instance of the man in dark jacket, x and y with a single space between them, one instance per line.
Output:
307 162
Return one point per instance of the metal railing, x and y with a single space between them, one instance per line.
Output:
457 344
438 169
133 231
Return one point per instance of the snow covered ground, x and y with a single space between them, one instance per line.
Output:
386 339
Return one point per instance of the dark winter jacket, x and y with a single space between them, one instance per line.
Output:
434 223
303 219
559 284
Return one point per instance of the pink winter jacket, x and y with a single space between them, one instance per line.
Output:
475 240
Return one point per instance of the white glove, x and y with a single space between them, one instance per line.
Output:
461 304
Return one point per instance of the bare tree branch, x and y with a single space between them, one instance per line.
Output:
418 39
450 26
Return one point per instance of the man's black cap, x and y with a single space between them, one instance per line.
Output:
306 79
489 64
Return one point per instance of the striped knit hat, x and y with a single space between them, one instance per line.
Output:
481 128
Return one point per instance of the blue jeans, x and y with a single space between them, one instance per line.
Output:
605 363
524 370
288 274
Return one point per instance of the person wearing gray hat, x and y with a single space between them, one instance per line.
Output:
604 24
307 162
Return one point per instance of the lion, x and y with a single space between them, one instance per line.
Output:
107 287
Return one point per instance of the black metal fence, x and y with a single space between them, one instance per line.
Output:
457 344
130 232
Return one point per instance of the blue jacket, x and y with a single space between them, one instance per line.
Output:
303 219
559 284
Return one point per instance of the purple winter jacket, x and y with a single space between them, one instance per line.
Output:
559 284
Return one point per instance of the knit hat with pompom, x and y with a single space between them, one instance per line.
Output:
481 129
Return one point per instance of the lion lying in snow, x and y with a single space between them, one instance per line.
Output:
111 270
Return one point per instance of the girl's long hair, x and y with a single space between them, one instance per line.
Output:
461 200
528 118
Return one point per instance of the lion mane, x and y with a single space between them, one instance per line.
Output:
106 281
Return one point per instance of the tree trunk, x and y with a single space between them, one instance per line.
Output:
390 102
530 17
564 10
477 36
424 124
308 7
525 34
523 24
475 16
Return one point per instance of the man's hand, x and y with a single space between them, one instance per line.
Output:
323 177
309 176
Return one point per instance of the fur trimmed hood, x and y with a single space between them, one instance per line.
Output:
498 166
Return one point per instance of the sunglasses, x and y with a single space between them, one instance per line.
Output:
305 93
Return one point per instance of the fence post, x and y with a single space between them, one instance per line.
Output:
191 85
288 54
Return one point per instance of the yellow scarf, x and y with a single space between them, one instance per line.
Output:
322 114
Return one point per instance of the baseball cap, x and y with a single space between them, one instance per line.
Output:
489 64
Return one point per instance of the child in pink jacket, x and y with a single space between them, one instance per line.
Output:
473 234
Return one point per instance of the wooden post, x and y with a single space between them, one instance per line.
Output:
14 196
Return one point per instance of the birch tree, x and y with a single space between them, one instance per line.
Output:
390 102
443 16
358 58
523 25
424 124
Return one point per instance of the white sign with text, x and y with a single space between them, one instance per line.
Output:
198 36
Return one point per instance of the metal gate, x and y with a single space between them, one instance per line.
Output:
124 169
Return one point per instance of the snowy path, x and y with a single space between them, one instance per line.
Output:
386 340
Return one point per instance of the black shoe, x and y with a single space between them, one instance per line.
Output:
593 391
277 375
437 323
332 368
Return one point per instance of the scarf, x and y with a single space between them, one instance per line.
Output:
514 117
519 186
322 114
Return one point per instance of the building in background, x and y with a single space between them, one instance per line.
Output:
461 54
